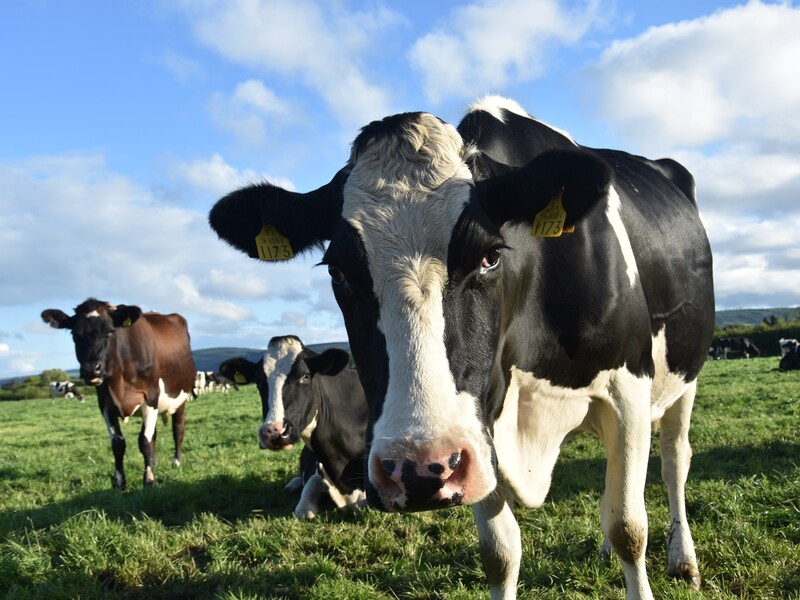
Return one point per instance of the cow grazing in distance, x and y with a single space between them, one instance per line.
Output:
502 288
316 398
737 347
65 389
137 362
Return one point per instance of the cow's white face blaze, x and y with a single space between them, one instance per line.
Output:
278 361
404 197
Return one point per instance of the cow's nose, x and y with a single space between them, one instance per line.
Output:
423 480
274 436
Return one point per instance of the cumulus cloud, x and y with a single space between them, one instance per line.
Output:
182 67
244 113
319 43
724 76
486 45
213 174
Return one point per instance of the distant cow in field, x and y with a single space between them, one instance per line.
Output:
737 347
316 398
790 355
136 361
64 389
502 288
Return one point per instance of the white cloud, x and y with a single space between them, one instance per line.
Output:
320 44
214 175
487 45
182 67
725 76
248 110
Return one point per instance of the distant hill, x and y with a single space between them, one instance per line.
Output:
754 316
209 359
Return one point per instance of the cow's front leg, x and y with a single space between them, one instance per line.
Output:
625 431
500 544
308 506
676 454
147 442
117 447
178 422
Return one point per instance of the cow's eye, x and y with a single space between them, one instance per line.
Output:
337 277
305 378
490 260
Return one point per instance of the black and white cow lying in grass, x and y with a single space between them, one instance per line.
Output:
316 398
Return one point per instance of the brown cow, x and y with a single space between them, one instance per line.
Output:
136 361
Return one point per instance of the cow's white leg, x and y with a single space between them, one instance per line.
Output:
500 544
625 431
308 507
676 454
294 486
147 441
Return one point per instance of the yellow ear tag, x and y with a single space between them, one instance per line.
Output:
127 322
272 245
549 222
239 378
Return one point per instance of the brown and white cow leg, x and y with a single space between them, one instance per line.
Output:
147 438
178 422
676 454
625 430
500 544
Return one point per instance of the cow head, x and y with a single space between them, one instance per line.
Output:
93 327
419 264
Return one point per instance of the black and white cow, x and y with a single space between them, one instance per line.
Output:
790 355
737 347
316 398
65 389
481 344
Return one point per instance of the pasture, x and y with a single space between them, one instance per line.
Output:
221 527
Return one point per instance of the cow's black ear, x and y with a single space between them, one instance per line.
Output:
579 178
239 369
331 362
57 319
295 222
124 315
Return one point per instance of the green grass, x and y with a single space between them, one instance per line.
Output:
221 527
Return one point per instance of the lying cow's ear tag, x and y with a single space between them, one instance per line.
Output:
239 378
271 245
549 222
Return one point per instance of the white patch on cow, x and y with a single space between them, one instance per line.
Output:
169 404
404 196
308 506
613 206
494 105
149 421
309 429
92 314
278 361
352 501
668 387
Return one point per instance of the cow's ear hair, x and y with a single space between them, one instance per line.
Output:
582 178
57 319
239 370
305 220
331 362
124 315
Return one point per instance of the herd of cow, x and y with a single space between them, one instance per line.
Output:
502 288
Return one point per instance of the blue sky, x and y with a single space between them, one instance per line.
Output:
122 122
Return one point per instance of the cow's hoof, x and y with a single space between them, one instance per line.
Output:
118 483
688 573
295 486
176 462
150 482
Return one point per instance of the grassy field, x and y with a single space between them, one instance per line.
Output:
221 527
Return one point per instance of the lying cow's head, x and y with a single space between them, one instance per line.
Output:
93 327
417 259
284 377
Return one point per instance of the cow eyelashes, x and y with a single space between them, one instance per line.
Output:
490 260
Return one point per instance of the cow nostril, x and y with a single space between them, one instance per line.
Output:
455 460
436 468
387 465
